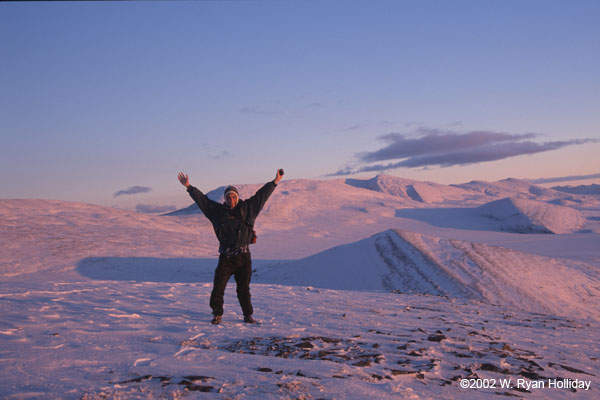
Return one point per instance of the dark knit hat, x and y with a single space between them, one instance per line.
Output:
229 189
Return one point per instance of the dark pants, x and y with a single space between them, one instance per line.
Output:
240 266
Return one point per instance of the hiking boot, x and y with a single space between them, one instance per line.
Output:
216 320
249 320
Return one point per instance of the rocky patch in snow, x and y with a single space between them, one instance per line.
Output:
424 346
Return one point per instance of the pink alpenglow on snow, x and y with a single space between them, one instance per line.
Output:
379 288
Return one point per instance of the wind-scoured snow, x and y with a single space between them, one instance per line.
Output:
100 303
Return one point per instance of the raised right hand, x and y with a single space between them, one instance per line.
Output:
183 178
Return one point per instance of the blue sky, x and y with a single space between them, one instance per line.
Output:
98 98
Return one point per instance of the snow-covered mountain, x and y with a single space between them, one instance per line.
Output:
351 209
529 216
400 192
382 288
581 189
424 192
510 187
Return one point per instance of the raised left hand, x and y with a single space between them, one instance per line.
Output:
278 176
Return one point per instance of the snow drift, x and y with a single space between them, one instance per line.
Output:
529 216
409 262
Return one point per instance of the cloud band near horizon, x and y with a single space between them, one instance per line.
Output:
565 178
433 147
153 209
133 190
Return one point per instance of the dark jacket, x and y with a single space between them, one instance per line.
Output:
228 223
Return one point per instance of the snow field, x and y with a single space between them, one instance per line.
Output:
143 340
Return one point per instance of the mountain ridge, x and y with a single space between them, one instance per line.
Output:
408 262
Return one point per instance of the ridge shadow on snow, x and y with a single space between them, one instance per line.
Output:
446 217
147 269
153 269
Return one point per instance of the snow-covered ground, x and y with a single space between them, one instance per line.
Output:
380 288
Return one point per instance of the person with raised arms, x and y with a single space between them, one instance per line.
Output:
233 223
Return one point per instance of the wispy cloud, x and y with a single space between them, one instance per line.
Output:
385 122
214 152
433 147
220 156
133 190
153 209
258 110
354 127
565 178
